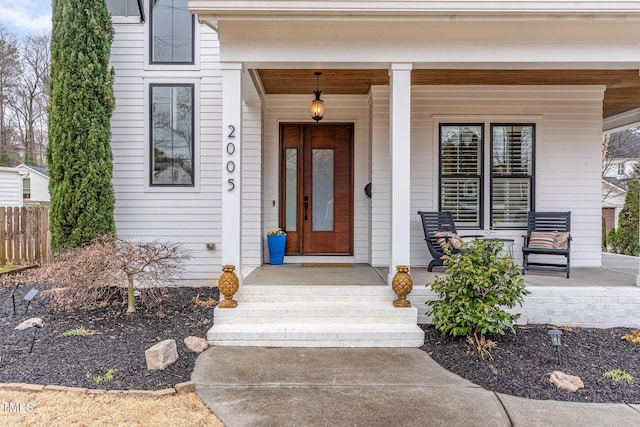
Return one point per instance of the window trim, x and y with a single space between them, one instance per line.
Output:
532 177
480 176
170 63
148 135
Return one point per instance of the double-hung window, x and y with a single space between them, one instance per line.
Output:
172 136
510 180
461 148
511 174
172 32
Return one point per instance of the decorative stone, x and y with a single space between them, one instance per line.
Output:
161 355
402 286
566 381
228 285
29 324
185 387
196 344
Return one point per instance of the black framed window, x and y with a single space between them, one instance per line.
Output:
125 7
172 137
512 174
172 32
461 148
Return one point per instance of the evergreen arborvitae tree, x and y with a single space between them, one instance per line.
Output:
624 239
81 103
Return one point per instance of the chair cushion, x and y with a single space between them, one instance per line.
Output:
447 238
560 241
542 239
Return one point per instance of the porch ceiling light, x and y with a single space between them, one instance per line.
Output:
317 105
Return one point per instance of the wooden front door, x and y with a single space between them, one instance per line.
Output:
316 188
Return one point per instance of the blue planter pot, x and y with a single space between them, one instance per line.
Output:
277 244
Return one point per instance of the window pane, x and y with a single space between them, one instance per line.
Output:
172 32
512 150
461 172
291 189
123 7
512 166
172 135
460 196
322 189
511 198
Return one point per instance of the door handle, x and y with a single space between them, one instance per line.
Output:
306 207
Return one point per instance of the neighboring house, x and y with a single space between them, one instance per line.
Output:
35 183
614 193
10 187
621 158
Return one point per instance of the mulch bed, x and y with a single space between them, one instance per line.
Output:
522 362
520 365
119 342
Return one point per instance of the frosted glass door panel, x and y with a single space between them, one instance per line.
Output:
322 188
291 189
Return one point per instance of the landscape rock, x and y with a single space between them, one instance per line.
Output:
185 387
29 324
566 381
196 344
161 355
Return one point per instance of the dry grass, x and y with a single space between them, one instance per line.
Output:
57 408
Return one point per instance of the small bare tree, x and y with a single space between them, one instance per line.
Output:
91 274
147 265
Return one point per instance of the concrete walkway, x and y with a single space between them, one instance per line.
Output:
257 386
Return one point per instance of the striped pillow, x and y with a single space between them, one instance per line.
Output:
542 239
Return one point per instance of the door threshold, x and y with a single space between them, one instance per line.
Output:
319 259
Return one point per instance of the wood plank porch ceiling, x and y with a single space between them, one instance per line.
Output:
622 93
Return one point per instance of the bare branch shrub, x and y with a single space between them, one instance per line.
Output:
92 274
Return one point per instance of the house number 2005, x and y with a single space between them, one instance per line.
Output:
231 149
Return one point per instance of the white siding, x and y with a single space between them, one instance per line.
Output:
568 151
39 184
380 176
10 187
342 109
190 216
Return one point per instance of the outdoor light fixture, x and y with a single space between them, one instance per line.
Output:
317 105
556 340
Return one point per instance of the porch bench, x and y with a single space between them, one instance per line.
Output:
548 233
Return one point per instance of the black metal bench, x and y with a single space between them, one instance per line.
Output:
432 224
542 226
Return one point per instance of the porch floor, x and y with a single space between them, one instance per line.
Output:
616 270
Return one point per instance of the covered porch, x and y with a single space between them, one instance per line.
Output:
409 87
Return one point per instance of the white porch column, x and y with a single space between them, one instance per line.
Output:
400 162
231 165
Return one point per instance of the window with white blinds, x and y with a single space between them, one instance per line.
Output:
511 174
461 172
511 180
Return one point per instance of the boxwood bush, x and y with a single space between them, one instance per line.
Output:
473 296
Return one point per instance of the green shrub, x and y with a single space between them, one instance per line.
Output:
479 284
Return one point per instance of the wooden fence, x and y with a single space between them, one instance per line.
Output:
24 235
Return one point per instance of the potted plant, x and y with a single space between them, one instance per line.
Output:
277 242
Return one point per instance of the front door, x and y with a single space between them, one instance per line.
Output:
316 188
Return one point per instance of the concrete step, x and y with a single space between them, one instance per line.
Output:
316 316
313 293
317 335
315 312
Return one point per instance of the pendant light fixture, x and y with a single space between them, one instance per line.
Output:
317 105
